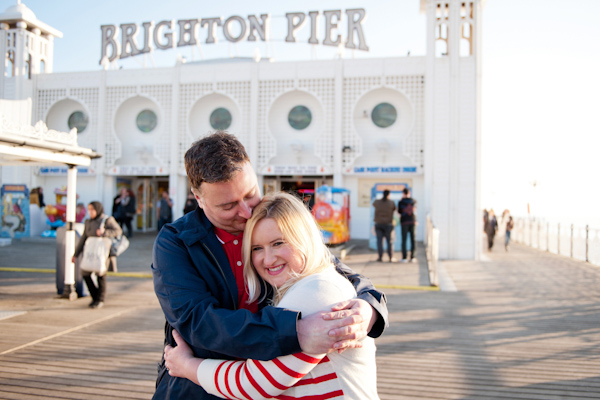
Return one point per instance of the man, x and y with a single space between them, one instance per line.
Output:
384 224
491 227
407 208
198 278
164 210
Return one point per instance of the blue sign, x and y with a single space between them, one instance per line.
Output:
64 170
384 170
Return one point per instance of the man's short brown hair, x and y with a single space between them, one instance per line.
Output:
214 158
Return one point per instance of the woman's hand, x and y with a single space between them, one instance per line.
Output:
180 360
100 232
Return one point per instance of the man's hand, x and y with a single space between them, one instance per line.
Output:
349 335
180 360
343 328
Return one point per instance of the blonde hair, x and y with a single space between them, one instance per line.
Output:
299 230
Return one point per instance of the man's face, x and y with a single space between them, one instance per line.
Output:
228 205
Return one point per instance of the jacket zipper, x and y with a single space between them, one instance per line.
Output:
220 269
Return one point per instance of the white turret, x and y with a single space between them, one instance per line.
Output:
26 44
453 123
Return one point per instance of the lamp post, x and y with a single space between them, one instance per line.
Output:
69 291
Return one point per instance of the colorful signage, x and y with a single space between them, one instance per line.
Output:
14 211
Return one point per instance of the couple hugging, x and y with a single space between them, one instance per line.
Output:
255 305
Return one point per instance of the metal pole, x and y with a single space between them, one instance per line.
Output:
558 236
69 291
587 243
571 240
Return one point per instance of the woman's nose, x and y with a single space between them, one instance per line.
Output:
269 257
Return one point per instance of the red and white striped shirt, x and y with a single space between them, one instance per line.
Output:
350 375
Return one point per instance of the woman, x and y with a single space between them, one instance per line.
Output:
509 227
94 227
124 209
286 251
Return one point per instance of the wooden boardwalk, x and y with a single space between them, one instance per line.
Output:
521 325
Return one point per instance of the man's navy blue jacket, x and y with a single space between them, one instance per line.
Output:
198 295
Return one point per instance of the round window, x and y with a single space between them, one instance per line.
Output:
384 115
146 121
78 120
220 119
299 117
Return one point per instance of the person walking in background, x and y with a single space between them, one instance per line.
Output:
282 235
164 210
491 227
41 197
190 203
124 209
509 227
384 224
100 225
407 208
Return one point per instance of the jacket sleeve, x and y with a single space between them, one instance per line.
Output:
81 242
367 292
195 301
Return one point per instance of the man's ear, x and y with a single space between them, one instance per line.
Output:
197 196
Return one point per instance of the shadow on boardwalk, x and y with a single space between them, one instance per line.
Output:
522 325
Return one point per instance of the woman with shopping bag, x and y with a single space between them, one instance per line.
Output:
95 246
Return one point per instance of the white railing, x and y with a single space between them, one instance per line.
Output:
580 243
432 247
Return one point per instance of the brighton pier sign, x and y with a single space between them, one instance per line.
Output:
235 29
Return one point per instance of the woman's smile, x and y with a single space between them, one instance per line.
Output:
273 257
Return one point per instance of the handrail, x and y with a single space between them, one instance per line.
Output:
432 243
575 241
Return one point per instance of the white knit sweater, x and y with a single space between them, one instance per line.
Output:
350 375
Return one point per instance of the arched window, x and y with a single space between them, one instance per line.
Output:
28 67
10 65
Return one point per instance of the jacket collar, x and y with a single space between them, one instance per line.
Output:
194 227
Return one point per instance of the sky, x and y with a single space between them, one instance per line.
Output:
540 79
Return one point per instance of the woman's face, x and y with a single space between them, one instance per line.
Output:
92 212
273 258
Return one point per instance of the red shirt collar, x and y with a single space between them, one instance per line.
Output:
226 237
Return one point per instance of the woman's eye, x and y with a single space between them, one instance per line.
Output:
255 249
